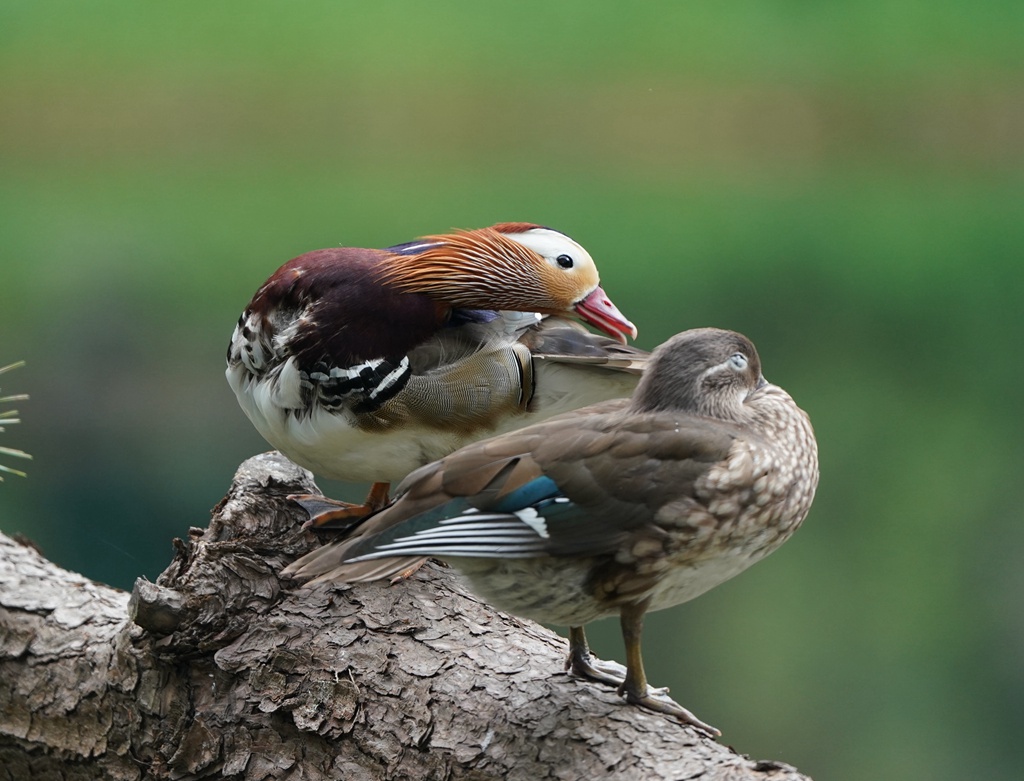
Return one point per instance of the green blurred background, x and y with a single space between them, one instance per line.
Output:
841 181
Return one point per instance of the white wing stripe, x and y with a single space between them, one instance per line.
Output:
472 534
478 551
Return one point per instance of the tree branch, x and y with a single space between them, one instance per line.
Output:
220 669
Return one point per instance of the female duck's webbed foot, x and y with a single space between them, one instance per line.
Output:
630 680
583 664
659 701
635 687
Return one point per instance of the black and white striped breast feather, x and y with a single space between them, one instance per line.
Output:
274 373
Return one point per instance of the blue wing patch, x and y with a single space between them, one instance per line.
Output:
535 491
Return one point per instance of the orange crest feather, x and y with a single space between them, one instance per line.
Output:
483 269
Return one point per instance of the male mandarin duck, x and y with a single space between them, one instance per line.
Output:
620 508
364 364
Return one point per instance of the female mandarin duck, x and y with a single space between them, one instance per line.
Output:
363 364
618 508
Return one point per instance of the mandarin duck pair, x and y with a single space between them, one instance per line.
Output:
599 491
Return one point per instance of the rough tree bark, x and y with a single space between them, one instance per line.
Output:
221 670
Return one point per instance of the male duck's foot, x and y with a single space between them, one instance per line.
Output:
330 514
407 573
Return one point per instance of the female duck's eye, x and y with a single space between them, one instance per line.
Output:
738 361
564 261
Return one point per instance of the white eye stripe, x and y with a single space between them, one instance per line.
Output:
551 244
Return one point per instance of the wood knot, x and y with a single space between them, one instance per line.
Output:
155 608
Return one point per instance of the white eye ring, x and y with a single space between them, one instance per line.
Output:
738 361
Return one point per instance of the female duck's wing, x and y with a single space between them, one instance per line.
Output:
577 485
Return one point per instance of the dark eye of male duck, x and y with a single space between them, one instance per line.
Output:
615 509
364 364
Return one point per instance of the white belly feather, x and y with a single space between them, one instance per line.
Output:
328 443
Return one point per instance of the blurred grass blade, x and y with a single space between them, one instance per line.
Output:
8 367
10 417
